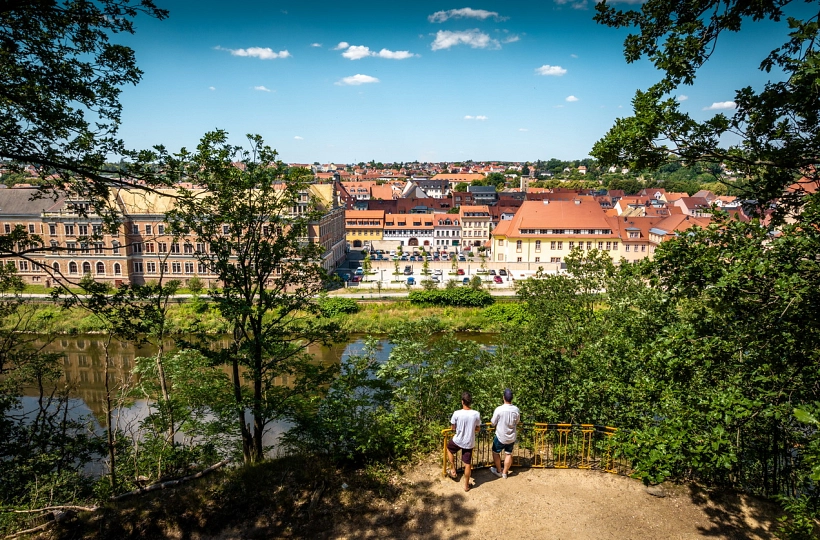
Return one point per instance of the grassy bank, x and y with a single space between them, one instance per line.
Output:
185 318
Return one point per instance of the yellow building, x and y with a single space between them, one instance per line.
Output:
363 226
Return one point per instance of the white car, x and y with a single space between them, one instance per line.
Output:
437 272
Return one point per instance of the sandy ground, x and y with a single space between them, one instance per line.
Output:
558 504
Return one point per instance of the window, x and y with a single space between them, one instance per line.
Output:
135 229
160 229
518 244
552 245
69 230
96 229
98 248
615 245
56 267
626 248
148 229
116 248
571 245
175 248
162 247
226 229
149 247
500 256
201 268
52 230
600 245
538 245
152 267
164 268
555 259
72 267
643 248
138 267
83 230
137 247
7 228
24 265
608 246
117 269
176 268
538 259
560 245
589 245
519 259
189 268
189 249
31 228
200 247
86 268
100 268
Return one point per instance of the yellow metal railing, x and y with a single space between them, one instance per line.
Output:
556 446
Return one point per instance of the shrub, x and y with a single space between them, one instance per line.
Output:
331 307
506 313
460 296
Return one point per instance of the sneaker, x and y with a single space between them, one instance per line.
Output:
504 475
495 472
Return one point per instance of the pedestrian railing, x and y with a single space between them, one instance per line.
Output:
555 446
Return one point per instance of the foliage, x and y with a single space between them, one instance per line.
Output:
777 127
503 314
332 307
459 296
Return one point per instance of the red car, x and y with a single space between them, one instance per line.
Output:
356 279
498 279
460 271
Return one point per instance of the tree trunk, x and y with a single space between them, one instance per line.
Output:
108 418
240 410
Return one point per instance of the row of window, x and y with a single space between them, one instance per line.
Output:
69 229
559 245
566 231
141 267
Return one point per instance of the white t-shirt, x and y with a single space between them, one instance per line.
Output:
505 418
465 422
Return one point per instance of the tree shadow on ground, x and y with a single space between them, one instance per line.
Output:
285 498
735 515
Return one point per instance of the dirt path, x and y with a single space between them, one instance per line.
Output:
558 504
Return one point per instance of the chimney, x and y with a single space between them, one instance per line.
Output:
577 201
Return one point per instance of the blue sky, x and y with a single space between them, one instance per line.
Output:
420 80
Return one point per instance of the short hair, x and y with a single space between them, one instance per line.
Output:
508 395
467 398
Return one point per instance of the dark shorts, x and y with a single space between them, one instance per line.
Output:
466 453
498 446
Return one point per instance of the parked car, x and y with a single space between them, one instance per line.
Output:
437 271
408 270
355 279
465 281
359 271
411 280
492 272
498 279
435 279
460 271
462 258
502 272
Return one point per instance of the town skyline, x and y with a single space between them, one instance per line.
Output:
427 82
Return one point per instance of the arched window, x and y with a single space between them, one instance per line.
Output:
86 268
100 268
72 267
117 269
56 267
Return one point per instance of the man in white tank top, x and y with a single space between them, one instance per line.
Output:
505 419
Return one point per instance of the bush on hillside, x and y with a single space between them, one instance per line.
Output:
331 307
459 296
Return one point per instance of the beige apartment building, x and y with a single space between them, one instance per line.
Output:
476 224
142 249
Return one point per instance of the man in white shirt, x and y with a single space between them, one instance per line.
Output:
505 419
466 423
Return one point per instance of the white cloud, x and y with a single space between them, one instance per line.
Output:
263 53
341 45
479 117
721 105
394 55
623 1
315 44
355 80
573 56
574 4
523 129
682 97
211 88
512 39
555 71
298 138
261 88
571 99
357 52
474 38
468 13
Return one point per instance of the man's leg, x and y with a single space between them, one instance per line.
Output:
497 460
507 463
452 459
468 467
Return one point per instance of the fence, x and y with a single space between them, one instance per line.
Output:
555 446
